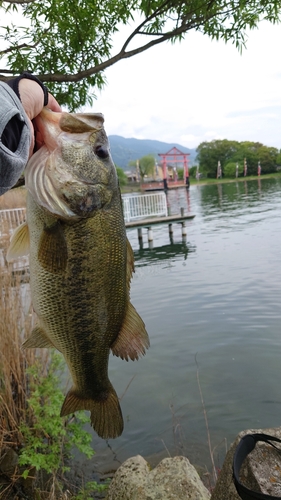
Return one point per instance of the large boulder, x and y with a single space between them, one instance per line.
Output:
172 479
261 470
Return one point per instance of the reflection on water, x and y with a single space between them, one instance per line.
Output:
146 256
216 297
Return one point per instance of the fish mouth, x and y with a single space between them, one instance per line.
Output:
87 198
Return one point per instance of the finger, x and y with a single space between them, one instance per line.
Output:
38 129
31 147
53 104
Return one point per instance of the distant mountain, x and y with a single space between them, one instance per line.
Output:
124 150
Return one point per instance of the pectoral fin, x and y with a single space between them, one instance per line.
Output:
52 251
132 340
38 338
19 245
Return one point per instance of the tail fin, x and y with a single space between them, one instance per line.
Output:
106 415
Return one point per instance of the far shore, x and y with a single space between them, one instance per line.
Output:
134 187
225 180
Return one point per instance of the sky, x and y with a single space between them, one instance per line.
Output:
197 90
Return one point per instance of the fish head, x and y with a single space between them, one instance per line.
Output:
72 174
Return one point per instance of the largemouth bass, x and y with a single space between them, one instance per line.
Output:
81 262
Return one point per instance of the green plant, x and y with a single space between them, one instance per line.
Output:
192 171
47 444
181 173
122 178
88 489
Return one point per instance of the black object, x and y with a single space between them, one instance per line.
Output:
12 133
245 446
14 84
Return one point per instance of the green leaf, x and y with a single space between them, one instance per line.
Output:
69 44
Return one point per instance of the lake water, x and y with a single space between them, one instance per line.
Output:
214 298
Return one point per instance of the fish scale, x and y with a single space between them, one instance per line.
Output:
81 263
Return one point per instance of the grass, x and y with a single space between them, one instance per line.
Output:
212 476
14 381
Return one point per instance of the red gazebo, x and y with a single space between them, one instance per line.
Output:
174 155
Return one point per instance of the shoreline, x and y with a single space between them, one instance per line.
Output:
205 181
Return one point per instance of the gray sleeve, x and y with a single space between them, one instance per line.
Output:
12 164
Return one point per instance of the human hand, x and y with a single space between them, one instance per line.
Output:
32 99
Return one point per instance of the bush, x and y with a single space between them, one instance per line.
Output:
229 170
47 444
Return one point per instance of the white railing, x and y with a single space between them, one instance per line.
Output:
10 219
135 207
144 205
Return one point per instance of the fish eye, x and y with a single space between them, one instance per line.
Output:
101 152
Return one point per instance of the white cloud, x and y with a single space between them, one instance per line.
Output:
198 90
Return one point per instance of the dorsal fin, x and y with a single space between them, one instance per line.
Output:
77 124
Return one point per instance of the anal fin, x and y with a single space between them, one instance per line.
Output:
132 340
38 338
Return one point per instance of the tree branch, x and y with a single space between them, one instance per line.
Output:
18 47
67 78
18 2
187 22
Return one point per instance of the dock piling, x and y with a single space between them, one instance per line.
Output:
149 234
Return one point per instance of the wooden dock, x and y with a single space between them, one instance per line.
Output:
153 221
159 186
156 221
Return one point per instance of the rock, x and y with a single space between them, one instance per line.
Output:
261 470
172 479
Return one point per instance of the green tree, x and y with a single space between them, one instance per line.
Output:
146 166
123 180
278 158
209 153
232 152
192 171
268 159
254 152
68 45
